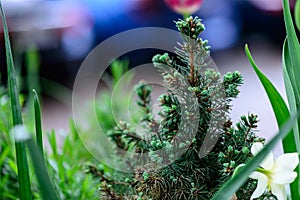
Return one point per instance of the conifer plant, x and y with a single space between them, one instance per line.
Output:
190 148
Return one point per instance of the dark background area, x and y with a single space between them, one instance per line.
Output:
65 31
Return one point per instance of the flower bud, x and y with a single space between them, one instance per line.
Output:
184 6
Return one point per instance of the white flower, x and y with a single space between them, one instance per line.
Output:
274 174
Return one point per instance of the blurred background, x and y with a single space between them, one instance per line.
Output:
63 32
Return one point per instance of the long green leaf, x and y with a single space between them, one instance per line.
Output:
232 185
295 186
33 68
21 155
292 66
294 50
297 14
32 64
280 108
46 187
286 64
38 122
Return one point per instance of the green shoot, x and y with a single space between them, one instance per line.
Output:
297 14
38 122
21 155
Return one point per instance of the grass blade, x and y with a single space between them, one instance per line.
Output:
40 169
295 186
21 155
294 49
280 108
33 68
292 66
232 185
286 63
32 64
46 187
38 122
297 14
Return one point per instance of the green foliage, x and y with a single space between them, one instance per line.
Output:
66 159
289 89
241 176
291 143
196 96
38 122
42 176
294 50
108 106
280 108
291 64
21 155
66 174
190 149
297 14
118 69
8 179
66 166
64 163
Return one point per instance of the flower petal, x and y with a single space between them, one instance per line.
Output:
279 191
255 175
261 184
184 6
190 10
288 161
268 162
256 147
284 177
